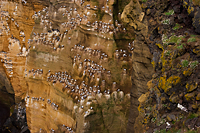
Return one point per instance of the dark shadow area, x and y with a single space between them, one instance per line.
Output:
6 101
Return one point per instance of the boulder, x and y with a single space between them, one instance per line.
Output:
143 97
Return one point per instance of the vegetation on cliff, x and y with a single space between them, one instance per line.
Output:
172 100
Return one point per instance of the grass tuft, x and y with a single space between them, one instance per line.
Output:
170 12
176 27
191 39
194 64
185 63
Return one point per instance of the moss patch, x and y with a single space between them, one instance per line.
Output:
170 12
176 27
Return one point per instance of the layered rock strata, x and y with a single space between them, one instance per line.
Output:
70 65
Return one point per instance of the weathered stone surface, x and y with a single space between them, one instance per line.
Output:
142 68
143 98
34 86
189 96
154 22
198 96
134 16
196 20
167 21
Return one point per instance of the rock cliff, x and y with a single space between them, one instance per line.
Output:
101 65
142 68
169 100
62 58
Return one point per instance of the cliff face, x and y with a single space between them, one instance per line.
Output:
62 57
86 66
142 68
170 102
85 77
15 19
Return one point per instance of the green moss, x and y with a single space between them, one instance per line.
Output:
165 39
144 0
166 21
176 27
153 119
173 39
193 115
191 39
161 131
179 131
185 63
180 47
170 12
164 105
193 35
173 122
167 53
194 64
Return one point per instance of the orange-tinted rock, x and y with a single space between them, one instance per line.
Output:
143 98
198 96
190 96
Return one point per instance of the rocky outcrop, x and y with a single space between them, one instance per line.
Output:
65 54
105 111
142 68
171 100
81 62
